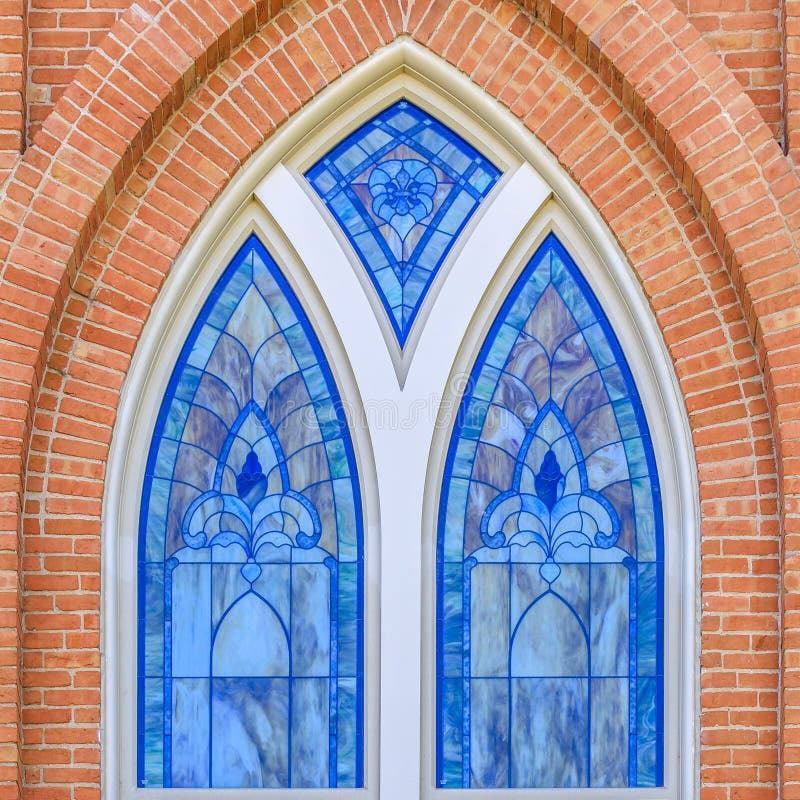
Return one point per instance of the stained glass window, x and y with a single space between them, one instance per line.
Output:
402 187
250 555
549 555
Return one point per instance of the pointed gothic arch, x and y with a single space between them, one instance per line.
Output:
121 200
281 184
551 498
250 554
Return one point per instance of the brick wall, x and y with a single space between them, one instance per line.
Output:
13 67
634 105
747 35
62 34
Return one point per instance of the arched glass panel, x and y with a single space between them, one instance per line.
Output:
402 187
250 554
549 554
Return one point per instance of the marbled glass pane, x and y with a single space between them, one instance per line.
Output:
154 622
346 515
311 614
648 626
549 732
647 524
191 620
402 187
451 711
165 461
151 739
609 734
649 733
190 734
451 540
610 626
157 517
452 654
250 737
349 604
310 728
348 746
488 740
250 499
549 548
488 603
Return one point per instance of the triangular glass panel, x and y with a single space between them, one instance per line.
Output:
402 187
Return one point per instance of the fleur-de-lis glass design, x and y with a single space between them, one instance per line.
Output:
251 519
549 556
402 192
401 188
251 572
550 520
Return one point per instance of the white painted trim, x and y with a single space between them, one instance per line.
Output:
471 289
406 78
401 442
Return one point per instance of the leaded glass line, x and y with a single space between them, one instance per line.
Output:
402 187
550 555
250 555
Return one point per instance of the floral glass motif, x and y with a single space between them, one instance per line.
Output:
549 555
250 555
402 187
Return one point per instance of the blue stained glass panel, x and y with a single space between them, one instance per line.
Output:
250 555
250 733
402 187
190 732
151 736
310 725
550 554
488 733
549 716
608 747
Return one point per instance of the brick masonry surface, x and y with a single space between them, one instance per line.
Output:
669 119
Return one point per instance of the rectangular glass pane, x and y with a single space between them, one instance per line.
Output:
348 743
250 733
311 620
549 733
190 732
310 732
489 631
191 620
489 736
609 735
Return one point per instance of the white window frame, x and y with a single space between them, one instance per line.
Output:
394 389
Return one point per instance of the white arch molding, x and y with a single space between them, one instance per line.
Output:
404 403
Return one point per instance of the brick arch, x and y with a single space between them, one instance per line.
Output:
560 73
